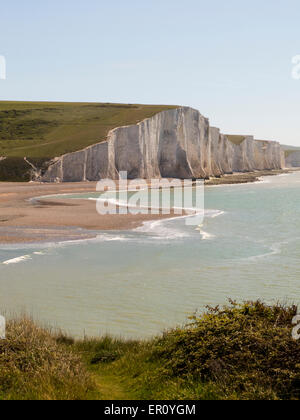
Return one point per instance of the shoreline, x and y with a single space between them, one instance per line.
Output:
247 177
27 219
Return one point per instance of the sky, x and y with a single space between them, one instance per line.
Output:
232 60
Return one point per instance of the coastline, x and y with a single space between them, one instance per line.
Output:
24 220
247 177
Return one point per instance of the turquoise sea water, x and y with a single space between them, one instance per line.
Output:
136 284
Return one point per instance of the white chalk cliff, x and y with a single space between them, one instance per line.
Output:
177 143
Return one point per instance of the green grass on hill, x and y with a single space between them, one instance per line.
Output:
47 130
239 352
41 131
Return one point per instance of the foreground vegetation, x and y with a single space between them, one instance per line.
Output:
41 131
236 352
34 365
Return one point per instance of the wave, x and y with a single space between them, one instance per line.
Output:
206 235
214 213
160 229
263 180
17 260
275 249
111 238
122 203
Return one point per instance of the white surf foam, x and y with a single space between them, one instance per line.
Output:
275 249
111 238
161 229
122 203
206 235
214 213
17 260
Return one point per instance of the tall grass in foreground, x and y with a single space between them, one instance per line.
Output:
234 352
33 365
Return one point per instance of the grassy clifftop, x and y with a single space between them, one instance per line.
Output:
47 130
236 352
41 131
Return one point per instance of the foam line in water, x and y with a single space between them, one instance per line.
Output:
111 238
17 260
63 195
160 228
206 235
123 203
275 249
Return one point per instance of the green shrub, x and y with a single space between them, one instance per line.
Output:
247 350
15 170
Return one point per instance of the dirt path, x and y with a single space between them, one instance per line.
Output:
111 387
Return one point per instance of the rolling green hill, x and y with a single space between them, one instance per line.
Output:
41 131
37 129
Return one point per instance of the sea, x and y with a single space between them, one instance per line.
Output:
139 283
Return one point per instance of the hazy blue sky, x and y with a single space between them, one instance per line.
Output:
229 59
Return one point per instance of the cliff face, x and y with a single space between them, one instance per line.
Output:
243 156
177 143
